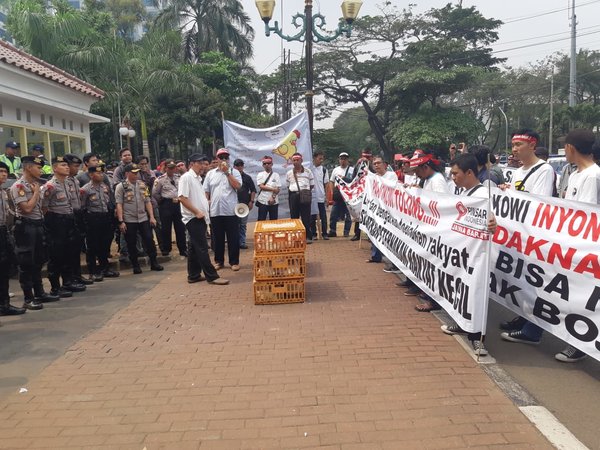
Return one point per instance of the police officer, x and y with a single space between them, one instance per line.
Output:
164 193
38 151
6 250
12 160
135 215
30 245
79 235
95 200
60 227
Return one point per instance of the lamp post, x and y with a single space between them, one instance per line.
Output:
311 31
127 132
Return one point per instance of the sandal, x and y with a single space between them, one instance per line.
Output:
427 307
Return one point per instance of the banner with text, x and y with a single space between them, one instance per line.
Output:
439 241
546 265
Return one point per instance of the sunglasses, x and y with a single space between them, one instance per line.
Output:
223 157
267 164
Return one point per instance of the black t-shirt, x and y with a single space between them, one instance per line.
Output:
246 189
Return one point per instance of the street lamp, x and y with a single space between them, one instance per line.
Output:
311 30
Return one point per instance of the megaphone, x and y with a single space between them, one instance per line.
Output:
242 210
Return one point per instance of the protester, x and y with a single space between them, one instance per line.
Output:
536 177
321 182
126 158
584 186
464 173
485 159
339 210
269 185
381 171
221 184
246 195
300 183
181 167
195 212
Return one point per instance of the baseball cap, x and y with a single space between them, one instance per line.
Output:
222 151
12 144
38 148
344 155
131 168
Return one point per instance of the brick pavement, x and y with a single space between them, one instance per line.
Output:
200 366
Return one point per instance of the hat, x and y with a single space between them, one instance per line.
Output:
222 151
95 169
72 159
170 163
194 157
32 160
38 148
400 157
12 144
59 159
421 160
4 166
131 168
238 162
344 155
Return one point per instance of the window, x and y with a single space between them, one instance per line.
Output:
43 119
59 144
64 124
51 121
77 145
1 113
28 116
71 125
18 114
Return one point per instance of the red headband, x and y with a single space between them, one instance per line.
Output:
524 138
422 160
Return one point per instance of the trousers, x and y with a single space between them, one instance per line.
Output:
300 211
98 239
31 253
170 217
198 258
145 231
222 226
60 234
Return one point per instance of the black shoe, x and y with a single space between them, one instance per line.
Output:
84 281
405 284
46 298
74 287
62 293
325 237
355 238
165 253
156 266
137 270
32 305
513 325
97 277
11 310
110 274
346 234
245 247
195 279
332 234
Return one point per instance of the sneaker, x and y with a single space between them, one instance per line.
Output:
219 281
235 267
452 329
513 325
218 266
392 269
413 291
570 355
518 336
407 283
309 241
355 238
478 348
325 237
197 279
332 234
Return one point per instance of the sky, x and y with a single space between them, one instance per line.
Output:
527 22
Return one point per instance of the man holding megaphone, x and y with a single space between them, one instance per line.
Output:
246 194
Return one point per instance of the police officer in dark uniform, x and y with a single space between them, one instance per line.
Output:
30 245
95 200
135 215
79 234
60 227
164 193
6 250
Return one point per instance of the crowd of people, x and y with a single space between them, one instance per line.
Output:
87 204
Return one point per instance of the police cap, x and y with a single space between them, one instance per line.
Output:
32 160
59 159
72 159
131 168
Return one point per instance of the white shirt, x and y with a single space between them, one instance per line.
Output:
274 182
340 171
190 187
223 198
305 180
584 186
321 178
540 182
437 183
411 180
389 175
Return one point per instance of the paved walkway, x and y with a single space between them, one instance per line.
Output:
200 366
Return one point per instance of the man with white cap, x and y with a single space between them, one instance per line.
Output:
339 209
221 184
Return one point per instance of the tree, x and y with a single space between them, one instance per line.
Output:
205 25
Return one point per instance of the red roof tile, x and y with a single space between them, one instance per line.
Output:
18 58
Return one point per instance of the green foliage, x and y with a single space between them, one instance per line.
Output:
350 133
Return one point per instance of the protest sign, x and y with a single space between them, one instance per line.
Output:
439 241
279 142
353 193
546 265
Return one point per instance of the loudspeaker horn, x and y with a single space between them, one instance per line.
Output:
242 210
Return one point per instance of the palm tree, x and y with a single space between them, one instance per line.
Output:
220 25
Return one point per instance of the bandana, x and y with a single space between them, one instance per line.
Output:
524 138
422 160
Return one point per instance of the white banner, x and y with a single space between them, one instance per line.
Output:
439 241
546 265
353 193
280 142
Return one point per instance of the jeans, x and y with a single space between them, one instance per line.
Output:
532 331
323 217
263 210
376 255
243 228
339 210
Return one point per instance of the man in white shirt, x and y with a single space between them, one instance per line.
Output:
299 178
269 184
339 210
536 177
321 180
381 171
195 216
221 184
